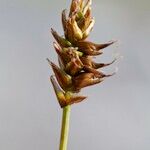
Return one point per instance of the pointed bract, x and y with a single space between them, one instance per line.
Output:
89 29
77 99
100 65
63 42
64 21
87 5
58 91
85 79
64 80
75 7
77 33
96 73
84 22
102 46
92 46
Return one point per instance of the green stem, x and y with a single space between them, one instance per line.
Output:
65 128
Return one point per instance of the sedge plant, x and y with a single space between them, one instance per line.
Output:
76 67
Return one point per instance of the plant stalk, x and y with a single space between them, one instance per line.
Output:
65 128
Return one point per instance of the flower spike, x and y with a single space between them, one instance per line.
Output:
77 69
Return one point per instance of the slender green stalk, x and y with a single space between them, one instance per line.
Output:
65 128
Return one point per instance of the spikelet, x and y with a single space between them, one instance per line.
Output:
76 68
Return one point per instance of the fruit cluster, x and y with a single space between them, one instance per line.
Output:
75 54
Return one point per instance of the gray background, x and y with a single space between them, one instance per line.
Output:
116 115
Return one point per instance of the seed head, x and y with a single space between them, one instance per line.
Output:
76 69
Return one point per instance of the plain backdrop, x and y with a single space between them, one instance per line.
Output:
116 115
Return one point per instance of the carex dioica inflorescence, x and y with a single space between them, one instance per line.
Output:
75 55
